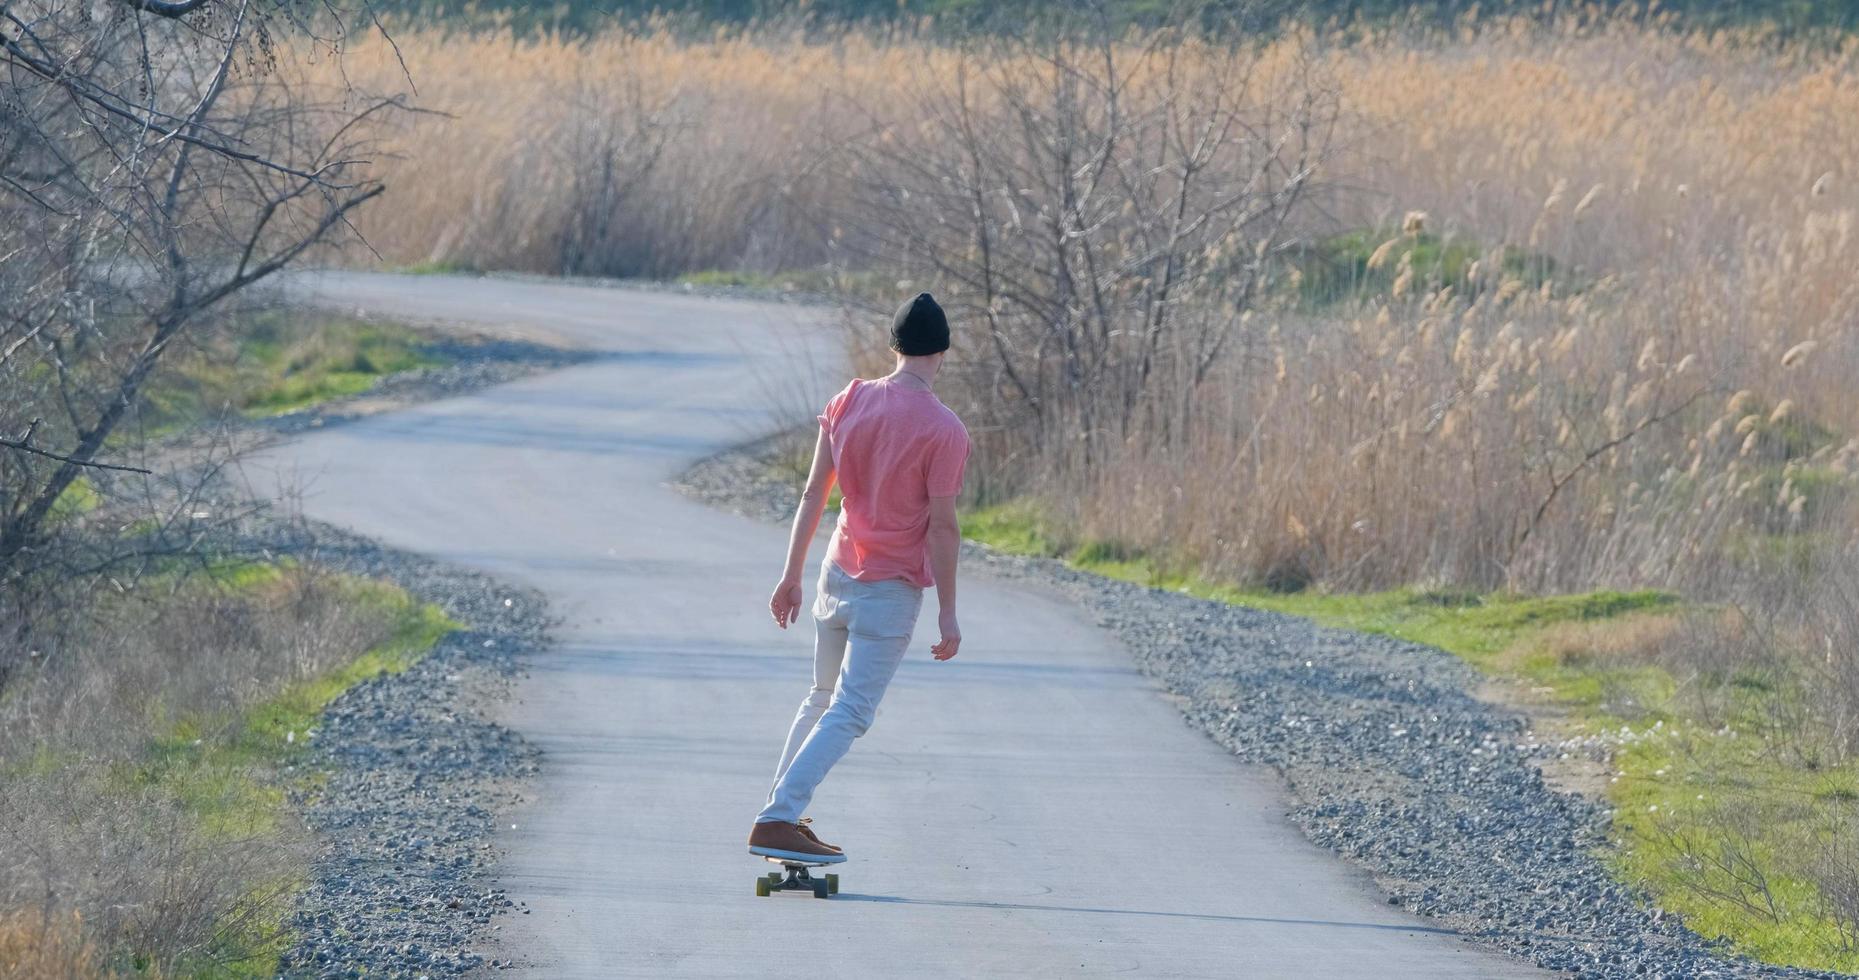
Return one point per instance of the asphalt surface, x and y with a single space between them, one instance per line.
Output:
1033 807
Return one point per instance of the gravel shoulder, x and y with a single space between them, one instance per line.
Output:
409 770
1388 758
413 775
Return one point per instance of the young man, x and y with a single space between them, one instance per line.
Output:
898 455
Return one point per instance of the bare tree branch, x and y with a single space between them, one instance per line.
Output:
166 8
145 179
25 446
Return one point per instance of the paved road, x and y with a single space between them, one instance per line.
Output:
1033 807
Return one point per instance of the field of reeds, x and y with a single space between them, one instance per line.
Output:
1558 306
1512 309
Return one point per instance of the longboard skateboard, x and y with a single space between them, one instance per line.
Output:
796 878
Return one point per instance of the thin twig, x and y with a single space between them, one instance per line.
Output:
48 454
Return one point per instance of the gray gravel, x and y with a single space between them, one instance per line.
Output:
1388 759
414 777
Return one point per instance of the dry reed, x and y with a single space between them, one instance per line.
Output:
1692 194
42 946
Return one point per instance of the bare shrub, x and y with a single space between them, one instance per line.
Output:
1719 856
1835 873
150 884
1107 214
1749 853
178 652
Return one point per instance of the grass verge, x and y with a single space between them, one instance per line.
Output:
233 770
1722 813
281 361
158 804
435 267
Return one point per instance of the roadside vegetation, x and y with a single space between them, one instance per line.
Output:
157 683
276 361
1733 806
147 763
1008 15
160 684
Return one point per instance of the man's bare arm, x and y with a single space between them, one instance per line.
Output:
945 545
785 604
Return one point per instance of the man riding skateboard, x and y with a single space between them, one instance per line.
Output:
898 454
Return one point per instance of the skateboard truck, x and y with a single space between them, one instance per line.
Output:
796 879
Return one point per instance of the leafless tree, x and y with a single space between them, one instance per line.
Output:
154 162
1108 213
613 142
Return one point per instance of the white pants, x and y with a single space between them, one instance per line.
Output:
861 630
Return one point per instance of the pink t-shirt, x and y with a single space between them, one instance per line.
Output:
894 447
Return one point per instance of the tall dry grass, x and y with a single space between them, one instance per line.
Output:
1692 193
38 945
617 154
1664 400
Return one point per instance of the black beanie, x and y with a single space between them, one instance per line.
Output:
920 329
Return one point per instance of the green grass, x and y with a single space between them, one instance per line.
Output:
435 267
203 755
728 278
1336 269
228 769
1717 790
1477 627
804 280
78 499
280 362
1685 777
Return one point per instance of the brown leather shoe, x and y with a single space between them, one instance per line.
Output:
806 831
780 840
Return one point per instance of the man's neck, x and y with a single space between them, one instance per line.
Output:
920 374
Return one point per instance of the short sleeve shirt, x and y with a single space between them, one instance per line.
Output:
894 447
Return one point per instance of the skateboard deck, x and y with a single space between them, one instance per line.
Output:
794 877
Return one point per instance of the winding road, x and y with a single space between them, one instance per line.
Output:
1034 807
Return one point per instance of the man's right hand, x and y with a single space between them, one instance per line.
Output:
784 605
951 636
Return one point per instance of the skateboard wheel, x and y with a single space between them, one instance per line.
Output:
774 877
821 889
832 884
761 887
